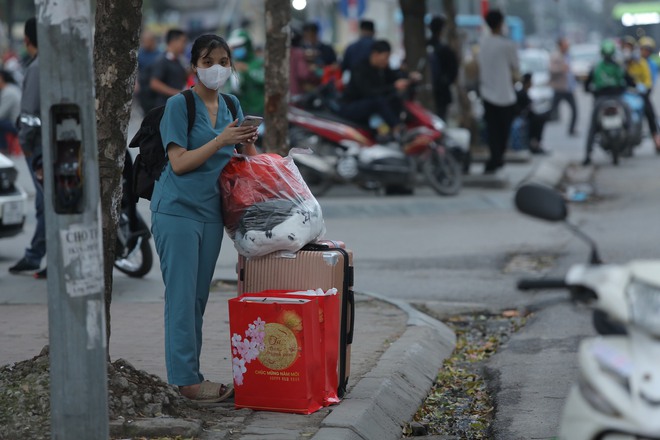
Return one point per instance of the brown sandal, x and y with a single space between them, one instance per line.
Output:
212 392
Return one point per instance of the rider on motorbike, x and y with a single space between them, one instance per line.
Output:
640 70
373 89
607 79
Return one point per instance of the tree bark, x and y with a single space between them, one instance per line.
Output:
278 17
414 43
466 118
116 41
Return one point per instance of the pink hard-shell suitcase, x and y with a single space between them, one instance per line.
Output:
320 265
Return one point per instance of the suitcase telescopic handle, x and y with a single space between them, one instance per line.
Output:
351 328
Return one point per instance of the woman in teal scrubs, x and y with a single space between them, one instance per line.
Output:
186 219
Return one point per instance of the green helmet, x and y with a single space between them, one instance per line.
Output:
607 48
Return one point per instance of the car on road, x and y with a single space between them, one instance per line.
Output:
13 199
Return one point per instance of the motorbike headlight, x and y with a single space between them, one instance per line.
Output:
7 178
645 306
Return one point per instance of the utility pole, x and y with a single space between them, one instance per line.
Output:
78 370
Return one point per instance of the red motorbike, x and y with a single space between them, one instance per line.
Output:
344 154
433 154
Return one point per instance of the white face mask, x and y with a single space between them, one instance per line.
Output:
214 77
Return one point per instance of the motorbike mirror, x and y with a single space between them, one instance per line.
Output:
541 202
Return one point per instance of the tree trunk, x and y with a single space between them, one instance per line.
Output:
278 17
466 118
414 42
115 62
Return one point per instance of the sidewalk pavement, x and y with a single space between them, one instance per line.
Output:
393 363
396 354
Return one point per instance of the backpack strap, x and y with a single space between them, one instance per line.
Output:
190 106
230 105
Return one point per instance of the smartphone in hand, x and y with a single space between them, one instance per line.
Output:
252 121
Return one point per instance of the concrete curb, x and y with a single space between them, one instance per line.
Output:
389 395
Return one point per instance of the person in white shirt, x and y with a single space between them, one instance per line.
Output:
498 67
10 107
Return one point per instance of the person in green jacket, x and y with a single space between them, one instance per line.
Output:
250 68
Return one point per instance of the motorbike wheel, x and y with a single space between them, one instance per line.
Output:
138 261
443 173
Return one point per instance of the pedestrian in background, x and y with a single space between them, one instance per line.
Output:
374 89
301 77
169 75
12 64
250 88
148 53
529 124
563 81
10 107
638 68
360 49
444 67
606 80
186 216
647 49
322 54
29 138
498 61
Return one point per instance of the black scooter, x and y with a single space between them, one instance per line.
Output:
133 255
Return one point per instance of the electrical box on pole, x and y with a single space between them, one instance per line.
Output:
78 369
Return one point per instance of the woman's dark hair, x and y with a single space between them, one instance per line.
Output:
205 44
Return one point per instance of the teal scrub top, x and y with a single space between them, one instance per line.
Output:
196 194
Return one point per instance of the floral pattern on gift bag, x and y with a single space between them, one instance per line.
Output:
276 357
329 324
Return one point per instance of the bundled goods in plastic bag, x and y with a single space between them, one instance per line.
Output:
278 362
267 206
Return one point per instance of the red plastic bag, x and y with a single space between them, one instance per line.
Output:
267 206
276 355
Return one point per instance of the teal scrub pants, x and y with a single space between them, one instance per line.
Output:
188 251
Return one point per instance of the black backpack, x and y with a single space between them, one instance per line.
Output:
151 160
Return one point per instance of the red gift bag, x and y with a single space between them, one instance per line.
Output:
329 323
276 355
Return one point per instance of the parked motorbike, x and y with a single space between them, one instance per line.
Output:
432 150
617 394
345 155
133 255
